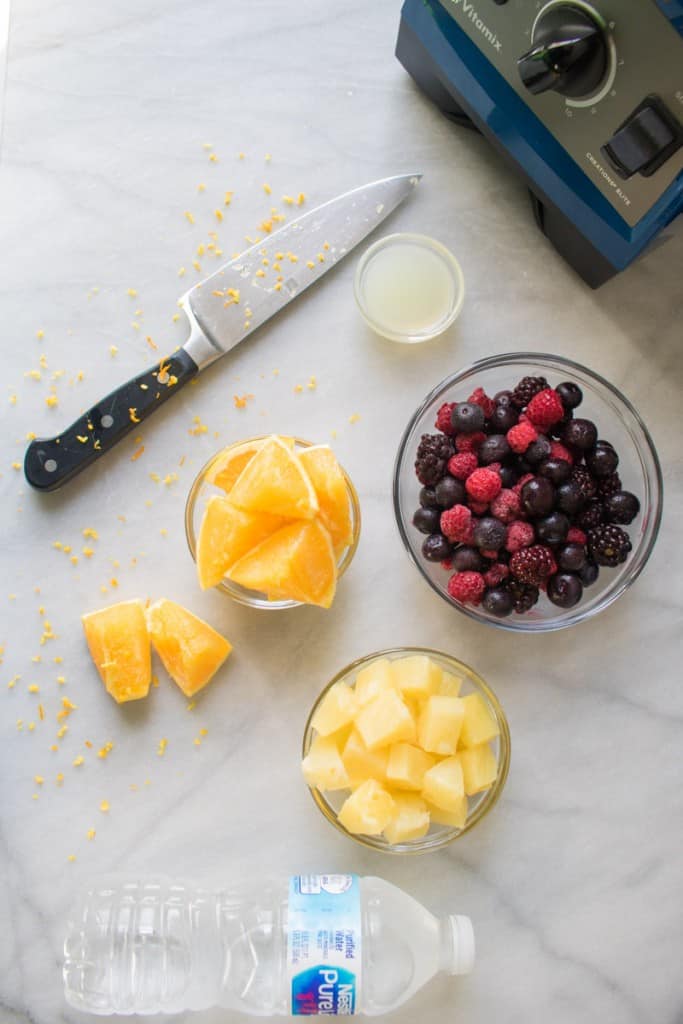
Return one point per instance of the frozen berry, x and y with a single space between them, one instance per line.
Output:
589 573
555 470
558 451
503 418
498 601
584 481
433 452
538 450
621 507
449 492
503 397
607 485
494 449
489 533
580 434
608 545
456 524
545 408
443 418
568 498
564 589
436 548
591 515
524 595
479 397
553 528
469 442
533 565
521 436
526 389
570 394
483 485
478 508
427 520
576 536
506 506
571 557
508 476
467 559
467 417
496 574
537 496
428 497
467 587
462 464
602 460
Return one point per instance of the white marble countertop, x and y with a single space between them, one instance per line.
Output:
574 881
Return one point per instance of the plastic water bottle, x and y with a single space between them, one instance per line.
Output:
315 944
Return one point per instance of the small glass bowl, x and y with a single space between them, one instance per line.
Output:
201 491
479 805
413 328
616 420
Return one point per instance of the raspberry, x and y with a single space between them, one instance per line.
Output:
447 564
456 524
469 442
506 505
522 480
545 408
533 565
496 574
461 465
467 587
558 451
520 535
478 508
576 536
483 485
480 398
443 419
492 554
520 436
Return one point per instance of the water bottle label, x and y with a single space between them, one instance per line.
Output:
324 944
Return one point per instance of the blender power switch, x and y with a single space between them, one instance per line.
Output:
648 137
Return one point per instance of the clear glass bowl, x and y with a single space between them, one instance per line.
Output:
617 421
200 492
479 805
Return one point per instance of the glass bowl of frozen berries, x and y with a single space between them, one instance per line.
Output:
528 491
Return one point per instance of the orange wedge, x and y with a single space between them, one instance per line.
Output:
227 466
227 533
119 644
275 481
189 648
330 487
296 563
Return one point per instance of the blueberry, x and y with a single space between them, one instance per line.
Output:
602 460
538 450
569 498
467 417
522 466
580 433
553 528
621 507
468 559
571 557
450 492
564 589
489 533
570 394
494 449
508 476
537 496
555 470
502 397
589 573
498 602
428 497
558 428
436 548
503 418
427 520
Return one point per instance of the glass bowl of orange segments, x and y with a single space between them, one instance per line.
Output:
225 466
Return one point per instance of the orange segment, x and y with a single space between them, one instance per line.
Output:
229 464
275 481
189 648
227 533
119 644
330 487
296 563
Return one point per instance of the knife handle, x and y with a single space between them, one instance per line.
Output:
51 462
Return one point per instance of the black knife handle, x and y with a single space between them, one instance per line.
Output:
51 462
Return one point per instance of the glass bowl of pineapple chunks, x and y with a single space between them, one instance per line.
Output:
406 749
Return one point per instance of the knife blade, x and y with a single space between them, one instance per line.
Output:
222 310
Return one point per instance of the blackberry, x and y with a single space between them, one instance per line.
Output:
526 389
433 452
524 596
609 485
608 545
591 515
533 565
585 482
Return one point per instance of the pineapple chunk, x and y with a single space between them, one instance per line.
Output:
478 725
438 726
454 819
409 820
323 767
450 685
367 810
407 765
361 763
479 768
385 720
443 784
417 675
374 678
337 709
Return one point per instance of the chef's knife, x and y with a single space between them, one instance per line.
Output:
223 309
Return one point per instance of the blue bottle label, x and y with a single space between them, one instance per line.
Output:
324 944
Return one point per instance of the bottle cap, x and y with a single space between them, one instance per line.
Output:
462 933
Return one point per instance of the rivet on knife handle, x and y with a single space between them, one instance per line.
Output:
51 462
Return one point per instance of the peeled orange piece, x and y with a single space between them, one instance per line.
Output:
227 533
119 644
330 487
227 467
296 563
275 481
189 648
